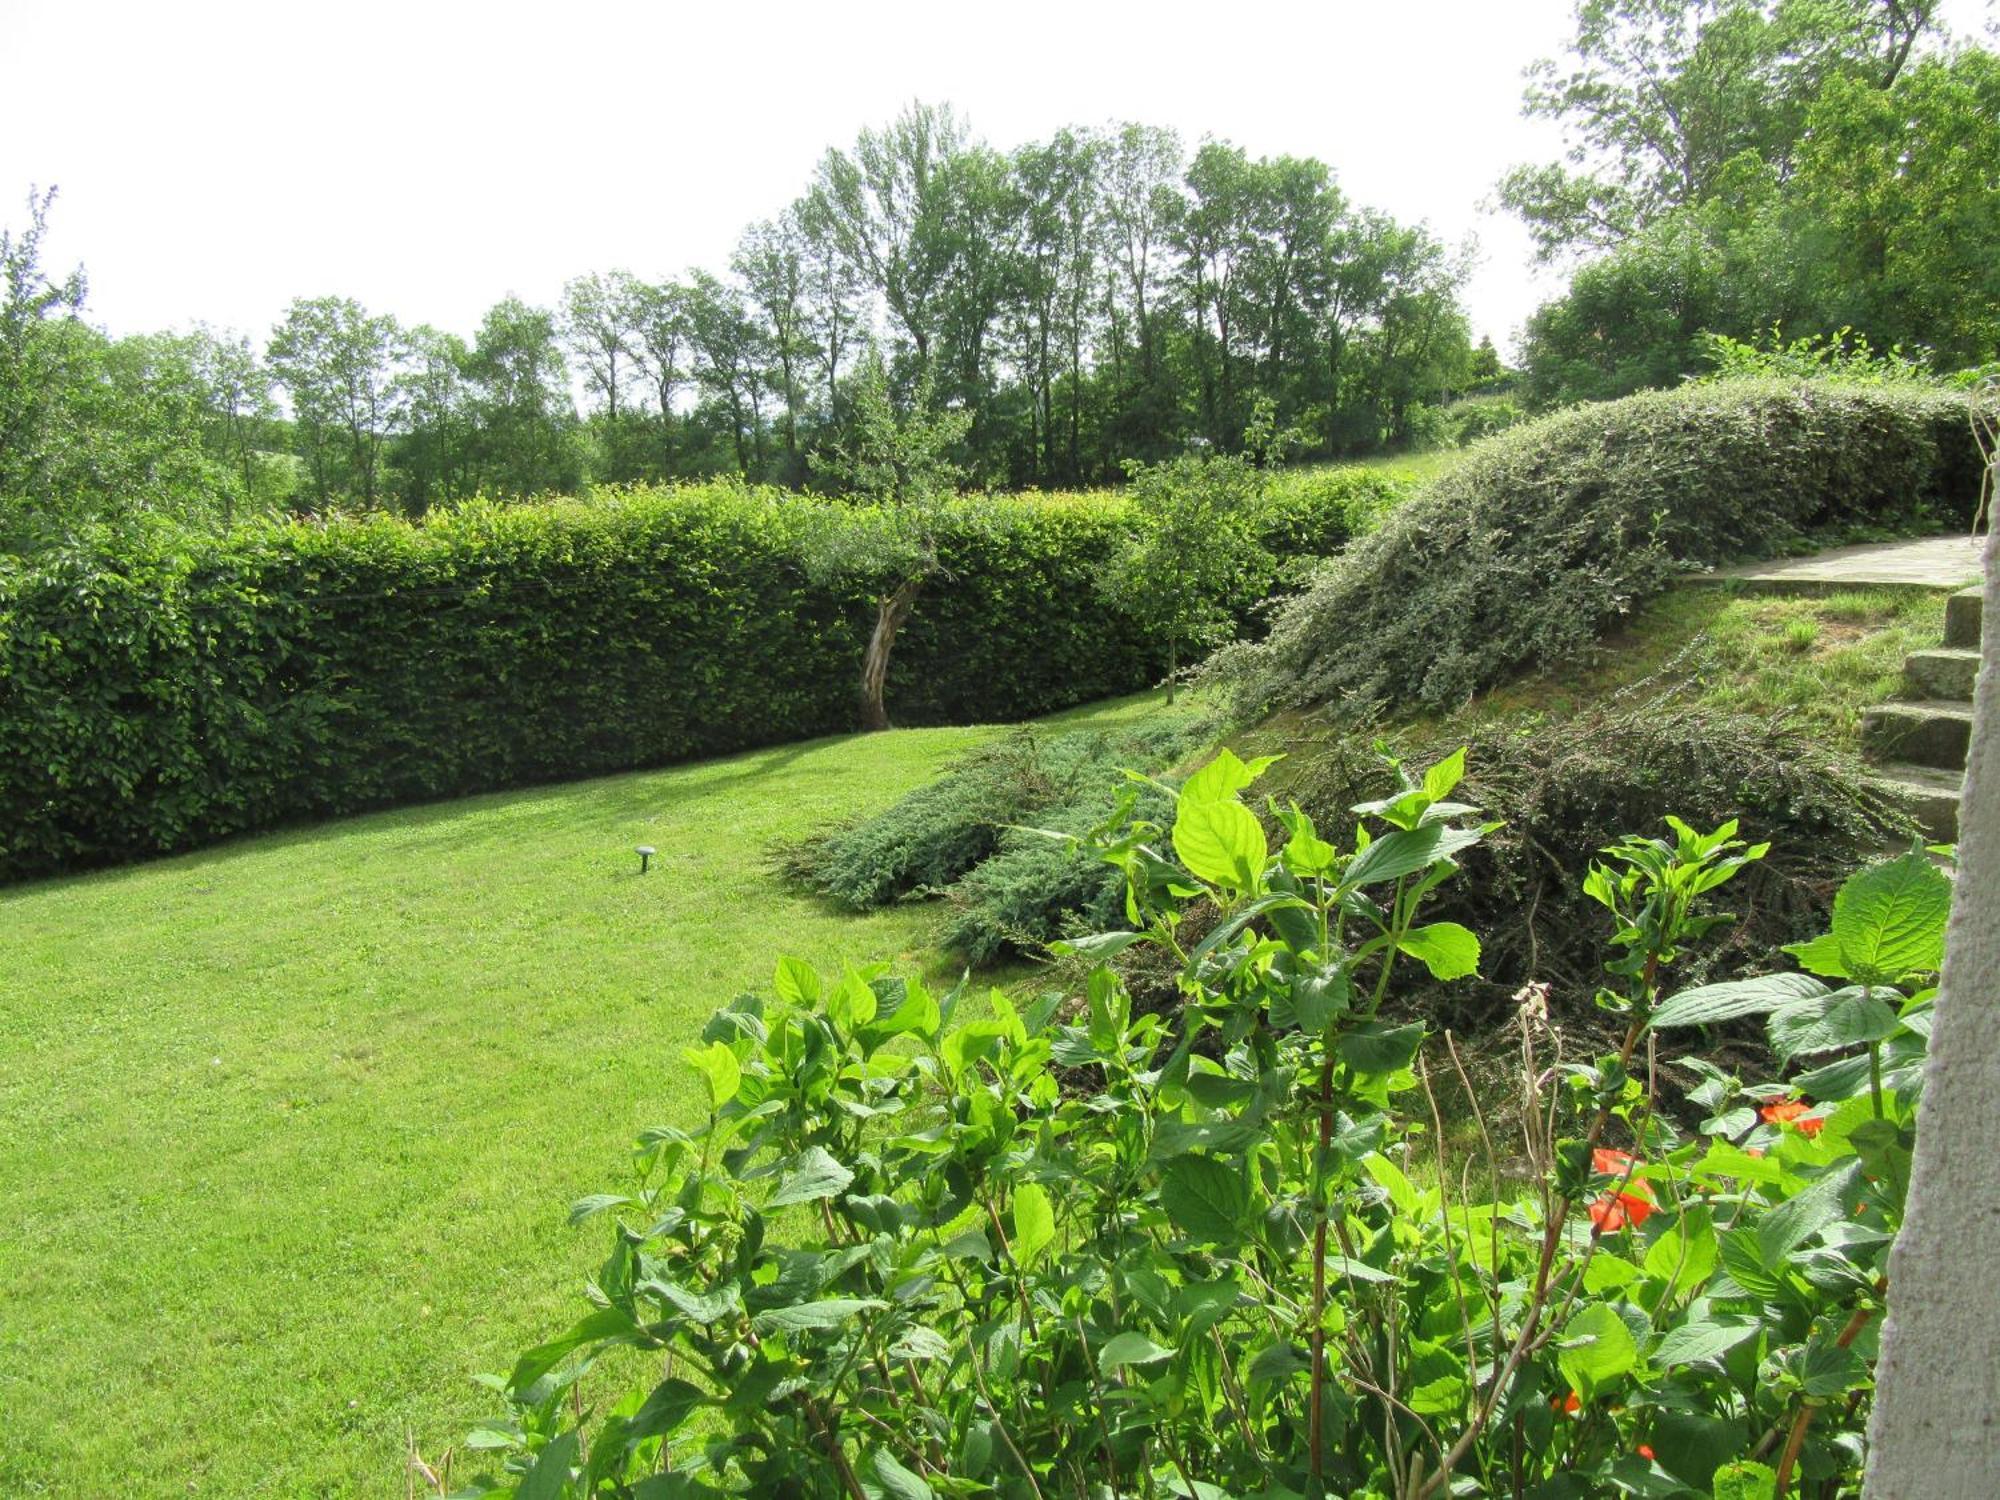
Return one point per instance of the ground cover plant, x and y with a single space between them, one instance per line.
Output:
898 1259
1547 536
289 1123
1572 782
932 837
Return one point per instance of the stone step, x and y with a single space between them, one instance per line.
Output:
1929 733
1962 614
1931 795
1946 672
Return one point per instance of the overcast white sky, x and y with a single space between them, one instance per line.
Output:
216 160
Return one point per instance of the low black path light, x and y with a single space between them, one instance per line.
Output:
645 853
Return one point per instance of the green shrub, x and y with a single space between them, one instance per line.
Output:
940 831
1316 511
1546 535
1481 417
895 1247
1041 884
1572 785
157 700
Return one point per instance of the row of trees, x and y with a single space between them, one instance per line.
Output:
1737 165
1082 301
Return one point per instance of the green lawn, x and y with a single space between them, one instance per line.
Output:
290 1126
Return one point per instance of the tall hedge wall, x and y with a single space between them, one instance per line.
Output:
158 701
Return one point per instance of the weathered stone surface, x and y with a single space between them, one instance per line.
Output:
1929 733
1945 672
1963 612
1935 1431
1931 795
1938 562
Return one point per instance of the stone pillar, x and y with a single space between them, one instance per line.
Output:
1935 1434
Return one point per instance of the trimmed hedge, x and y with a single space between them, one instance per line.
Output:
155 700
1523 555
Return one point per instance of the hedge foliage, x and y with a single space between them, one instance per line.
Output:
161 695
1547 534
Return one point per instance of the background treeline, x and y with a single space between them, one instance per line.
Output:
1830 168
1096 297
1767 171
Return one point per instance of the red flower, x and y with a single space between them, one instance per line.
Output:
1612 1163
1645 1453
1614 1211
1788 1113
1567 1405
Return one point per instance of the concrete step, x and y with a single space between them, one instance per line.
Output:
1929 733
1946 672
1962 613
1930 794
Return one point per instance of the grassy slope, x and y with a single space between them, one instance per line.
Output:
291 1125
1820 660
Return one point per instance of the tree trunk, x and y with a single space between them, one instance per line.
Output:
1935 1432
890 612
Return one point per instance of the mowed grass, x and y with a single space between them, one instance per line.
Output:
290 1127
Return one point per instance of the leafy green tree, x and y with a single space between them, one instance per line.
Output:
239 412
896 466
94 431
337 363
771 260
600 314
38 357
1663 100
1895 208
730 350
1887 222
527 440
1192 548
433 456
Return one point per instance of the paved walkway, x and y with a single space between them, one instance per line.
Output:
1938 562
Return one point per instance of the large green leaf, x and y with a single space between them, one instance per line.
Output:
1686 1343
670 1404
1034 1223
898 1483
1221 843
1406 851
1806 1213
1129 1349
1849 1018
1223 777
1448 950
1745 1480
830 1312
719 1072
797 983
1376 1047
1595 1349
1206 1199
1684 1254
1739 997
811 1175
549 1479
698 1307
1445 775
1889 920
605 1323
